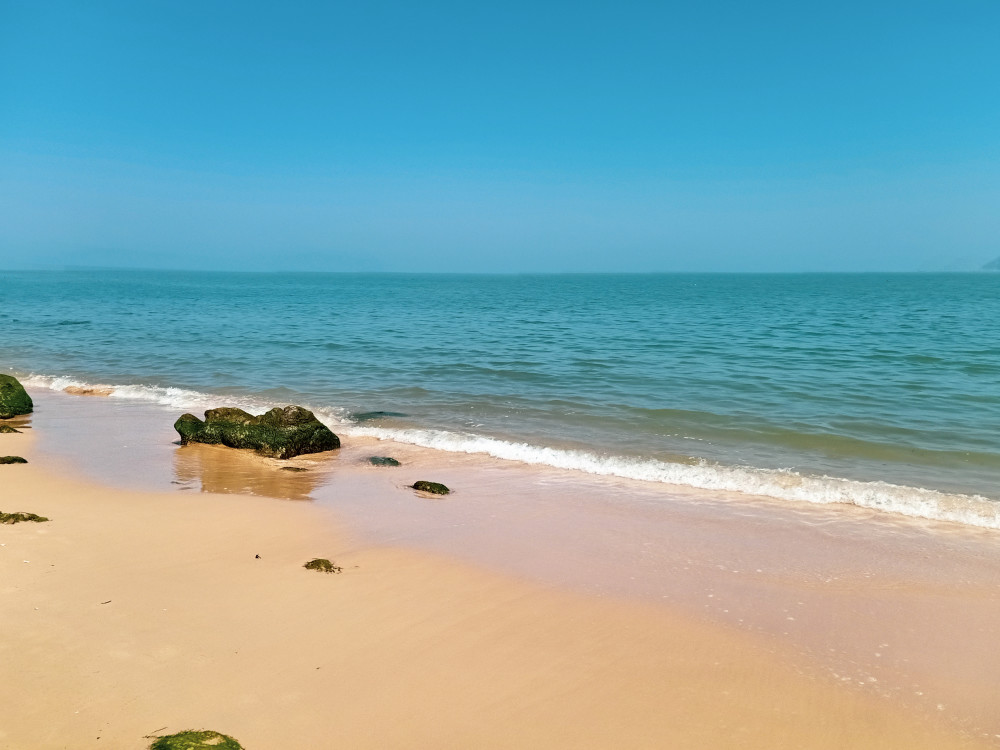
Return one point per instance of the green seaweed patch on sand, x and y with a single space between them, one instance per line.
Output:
196 740
12 460
383 461
7 428
21 517
322 565
435 488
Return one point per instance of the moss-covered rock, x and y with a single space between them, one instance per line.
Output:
21 517
14 400
196 740
280 433
382 461
435 488
12 460
322 565
6 428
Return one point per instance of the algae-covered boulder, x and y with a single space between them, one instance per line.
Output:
196 740
14 400
280 433
12 460
382 461
435 488
7 428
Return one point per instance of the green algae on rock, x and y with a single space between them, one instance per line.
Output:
280 433
382 461
14 400
7 428
196 740
20 517
12 460
435 488
322 565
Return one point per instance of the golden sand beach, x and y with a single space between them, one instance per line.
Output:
135 613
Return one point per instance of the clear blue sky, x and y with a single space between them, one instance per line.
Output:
513 136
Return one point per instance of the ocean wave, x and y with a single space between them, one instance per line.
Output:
783 484
168 396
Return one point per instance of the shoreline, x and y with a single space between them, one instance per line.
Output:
516 639
969 505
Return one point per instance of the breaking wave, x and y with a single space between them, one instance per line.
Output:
784 484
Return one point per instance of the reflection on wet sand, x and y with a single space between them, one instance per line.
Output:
20 422
228 471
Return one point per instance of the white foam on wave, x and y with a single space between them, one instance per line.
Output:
784 484
175 398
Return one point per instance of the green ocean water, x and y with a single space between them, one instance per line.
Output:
881 390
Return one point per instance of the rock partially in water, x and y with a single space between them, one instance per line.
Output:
7 428
14 400
12 460
435 488
280 433
383 461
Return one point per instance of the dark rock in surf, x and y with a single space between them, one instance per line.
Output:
382 461
7 428
434 488
12 460
280 433
14 400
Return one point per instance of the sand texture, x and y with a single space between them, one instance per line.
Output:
132 613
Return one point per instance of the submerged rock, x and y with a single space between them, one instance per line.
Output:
14 400
382 461
280 433
370 416
12 460
92 390
435 488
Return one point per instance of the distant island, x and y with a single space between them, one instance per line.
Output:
993 265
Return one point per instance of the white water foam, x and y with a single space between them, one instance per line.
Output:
784 484
175 398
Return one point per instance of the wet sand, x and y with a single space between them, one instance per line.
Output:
531 608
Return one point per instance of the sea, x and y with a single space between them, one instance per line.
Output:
876 390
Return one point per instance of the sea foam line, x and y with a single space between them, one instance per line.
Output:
783 484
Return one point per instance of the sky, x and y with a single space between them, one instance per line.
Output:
500 137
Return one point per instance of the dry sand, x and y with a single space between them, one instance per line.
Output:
133 613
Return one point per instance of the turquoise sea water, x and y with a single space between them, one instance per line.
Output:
878 390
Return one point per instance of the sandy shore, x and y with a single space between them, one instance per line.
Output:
133 613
